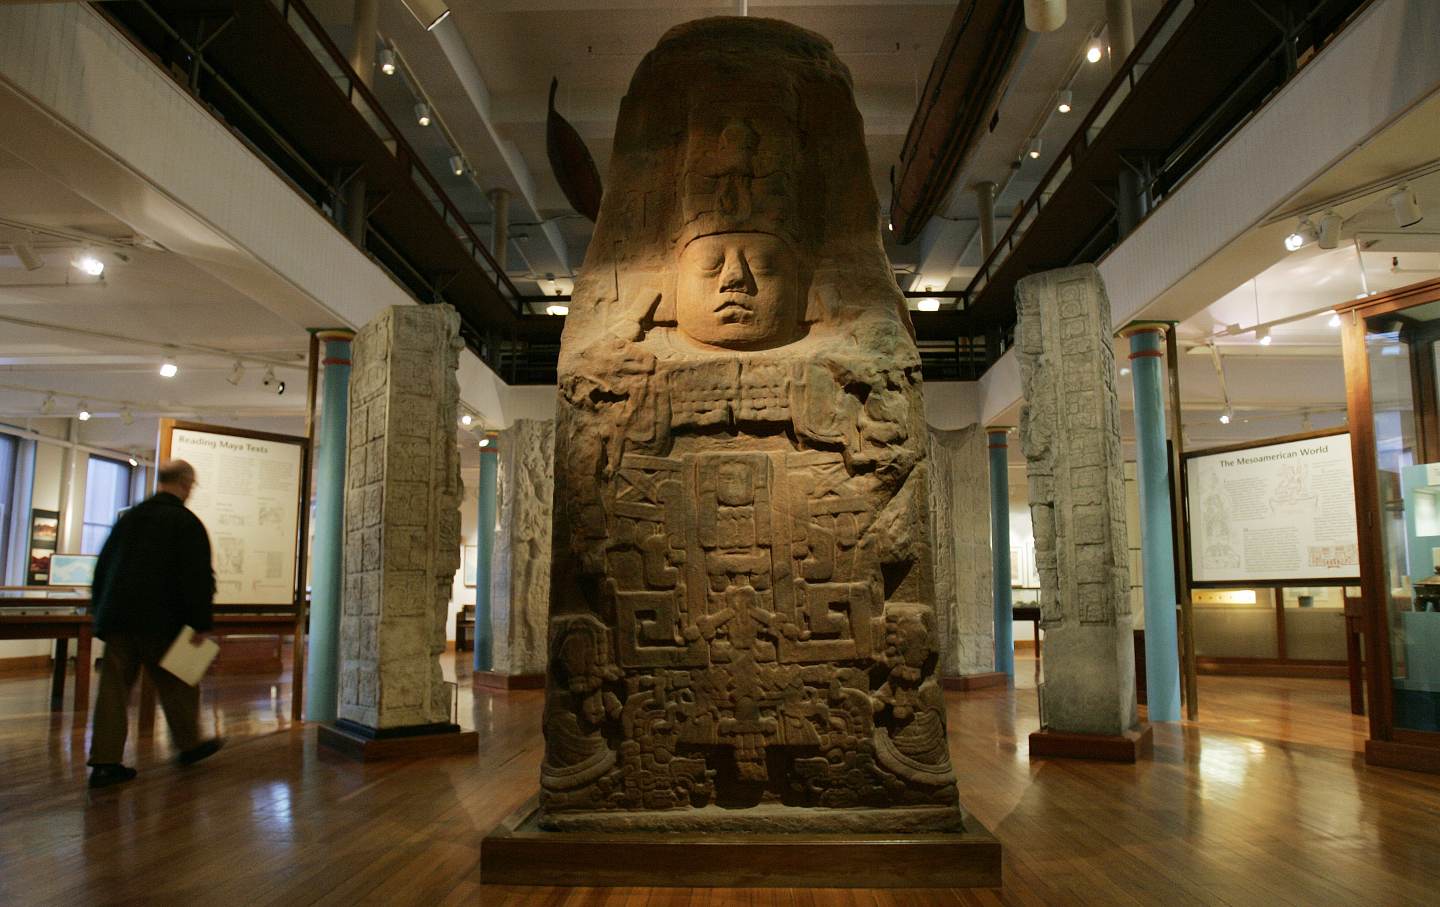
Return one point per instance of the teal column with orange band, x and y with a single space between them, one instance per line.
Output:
1000 550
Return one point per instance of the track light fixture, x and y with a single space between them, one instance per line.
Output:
237 373
1094 52
1406 205
1334 321
1329 230
1065 102
466 419
1124 371
47 406
28 256
387 61
134 462
458 165
84 412
1227 415
88 263
557 308
269 379
928 304
126 416
168 368
1034 150
1263 336
485 441
1303 233
422 113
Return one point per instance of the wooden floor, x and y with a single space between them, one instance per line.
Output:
1265 801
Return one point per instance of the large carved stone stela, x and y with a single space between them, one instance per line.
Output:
741 594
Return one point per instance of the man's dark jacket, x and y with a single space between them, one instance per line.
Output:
154 573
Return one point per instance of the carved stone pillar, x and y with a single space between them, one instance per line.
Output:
960 520
1070 434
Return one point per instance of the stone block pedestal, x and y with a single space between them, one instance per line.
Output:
982 681
364 744
520 852
492 681
1126 747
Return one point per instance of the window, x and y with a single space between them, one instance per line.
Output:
9 454
107 492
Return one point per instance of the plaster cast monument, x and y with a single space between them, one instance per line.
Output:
959 470
520 563
402 522
742 625
1070 435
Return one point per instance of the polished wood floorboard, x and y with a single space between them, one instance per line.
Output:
1266 800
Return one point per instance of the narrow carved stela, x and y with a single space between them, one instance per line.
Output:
742 631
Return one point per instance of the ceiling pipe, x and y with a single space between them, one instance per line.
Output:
1044 15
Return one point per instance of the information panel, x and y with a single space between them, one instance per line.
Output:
247 494
1279 512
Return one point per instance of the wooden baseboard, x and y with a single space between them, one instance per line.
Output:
518 852
1413 758
25 664
1126 747
489 680
365 749
967 682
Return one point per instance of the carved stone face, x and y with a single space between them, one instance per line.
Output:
738 290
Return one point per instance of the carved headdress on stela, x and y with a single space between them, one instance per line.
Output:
741 601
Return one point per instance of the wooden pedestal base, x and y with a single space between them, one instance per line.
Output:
1127 747
1402 755
975 681
489 680
355 744
518 852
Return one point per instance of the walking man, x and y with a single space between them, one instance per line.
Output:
152 578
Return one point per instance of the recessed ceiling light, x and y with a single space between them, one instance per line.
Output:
1094 53
1065 102
422 113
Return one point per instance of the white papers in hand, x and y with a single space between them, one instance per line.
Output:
187 661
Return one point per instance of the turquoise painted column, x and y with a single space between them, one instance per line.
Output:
1162 656
1000 550
322 661
485 545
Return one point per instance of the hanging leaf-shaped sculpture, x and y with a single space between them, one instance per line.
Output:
571 162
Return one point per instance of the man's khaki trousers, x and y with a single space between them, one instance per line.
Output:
120 667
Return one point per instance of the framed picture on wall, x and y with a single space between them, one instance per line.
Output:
471 564
44 535
1017 565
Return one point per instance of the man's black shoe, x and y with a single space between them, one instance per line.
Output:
202 751
112 773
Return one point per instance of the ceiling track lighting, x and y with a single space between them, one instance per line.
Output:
557 308
1034 150
928 304
422 113
1303 234
1227 416
1334 321
168 368
237 373
1065 102
387 61
1329 230
458 165
83 414
88 263
47 406
1094 52
1406 206
1262 335
127 417
134 462
28 256
466 419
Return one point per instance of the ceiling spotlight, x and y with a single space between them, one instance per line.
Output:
1303 233
428 13
87 263
126 416
47 406
237 372
1227 415
1334 321
928 304
1124 370
168 368
1094 53
1065 104
1034 149
890 225
1329 232
457 165
84 414
1406 205
466 419
134 462
280 389
557 308
387 61
485 442
1263 335
422 113
28 256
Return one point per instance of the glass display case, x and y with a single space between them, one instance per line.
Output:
1391 369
